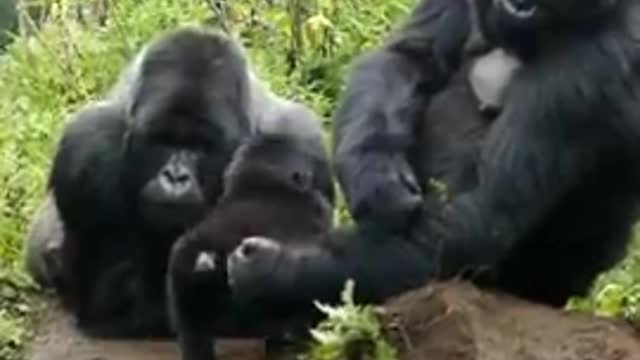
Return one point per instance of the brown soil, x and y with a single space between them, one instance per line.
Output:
58 339
452 321
458 322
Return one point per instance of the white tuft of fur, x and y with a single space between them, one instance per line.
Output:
205 261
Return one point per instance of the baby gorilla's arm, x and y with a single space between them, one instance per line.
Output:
294 275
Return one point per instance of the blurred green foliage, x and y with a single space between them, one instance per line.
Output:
74 52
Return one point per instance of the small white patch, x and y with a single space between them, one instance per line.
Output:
490 76
205 261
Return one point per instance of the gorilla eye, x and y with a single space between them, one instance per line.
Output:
521 9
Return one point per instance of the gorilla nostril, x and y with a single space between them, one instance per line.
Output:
176 176
182 178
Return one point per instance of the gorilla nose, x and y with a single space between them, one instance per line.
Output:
178 183
176 175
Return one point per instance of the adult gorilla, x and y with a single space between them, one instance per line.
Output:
543 198
134 171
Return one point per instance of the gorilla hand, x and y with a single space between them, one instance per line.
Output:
256 267
386 196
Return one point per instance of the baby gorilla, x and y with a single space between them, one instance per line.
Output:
277 189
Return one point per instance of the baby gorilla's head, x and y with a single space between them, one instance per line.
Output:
272 162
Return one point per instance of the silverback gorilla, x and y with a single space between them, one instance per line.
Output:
541 198
136 170
274 188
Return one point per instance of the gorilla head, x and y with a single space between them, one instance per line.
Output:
181 128
523 25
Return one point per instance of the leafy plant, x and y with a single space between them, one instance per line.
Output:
350 330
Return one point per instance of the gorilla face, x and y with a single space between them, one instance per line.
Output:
268 161
185 121
175 158
169 190
524 24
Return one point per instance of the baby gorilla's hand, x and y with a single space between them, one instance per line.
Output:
256 267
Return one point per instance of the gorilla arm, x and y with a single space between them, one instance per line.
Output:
386 93
46 233
551 138
44 244
263 272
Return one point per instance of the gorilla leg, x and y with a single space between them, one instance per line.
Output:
43 245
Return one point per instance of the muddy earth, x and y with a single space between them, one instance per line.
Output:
58 339
456 321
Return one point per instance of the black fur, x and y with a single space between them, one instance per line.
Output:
134 171
276 187
543 196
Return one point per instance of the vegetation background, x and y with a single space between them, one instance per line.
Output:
63 53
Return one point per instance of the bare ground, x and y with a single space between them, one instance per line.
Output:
58 339
453 321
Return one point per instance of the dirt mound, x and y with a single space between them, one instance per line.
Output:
456 321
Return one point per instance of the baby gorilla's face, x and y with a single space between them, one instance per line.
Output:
271 161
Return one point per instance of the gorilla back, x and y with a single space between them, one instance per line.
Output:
134 171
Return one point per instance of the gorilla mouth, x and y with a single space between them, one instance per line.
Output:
520 9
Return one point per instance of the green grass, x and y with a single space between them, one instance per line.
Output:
301 47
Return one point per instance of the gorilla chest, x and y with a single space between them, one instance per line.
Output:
456 120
